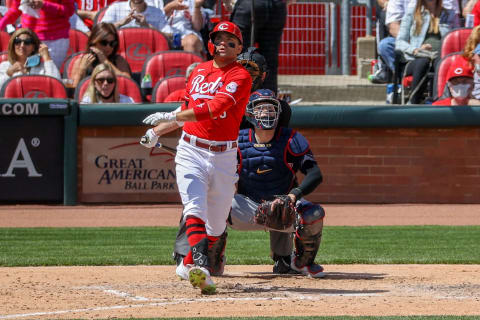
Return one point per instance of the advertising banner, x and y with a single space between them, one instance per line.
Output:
123 166
31 161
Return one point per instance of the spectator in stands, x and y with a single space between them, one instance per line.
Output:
103 87
472 53
102 48
87 10
419 39
136 13
51 24
179 95
187 18
394 12
459 83
24 43
270 18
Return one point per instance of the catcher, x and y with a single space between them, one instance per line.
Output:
268 195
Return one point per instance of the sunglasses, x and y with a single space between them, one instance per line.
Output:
108 43
102 80
27 42
229 44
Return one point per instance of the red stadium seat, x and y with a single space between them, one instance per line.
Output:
136 44
67 66
454 41
4 39
126 86
167 85
3 56
33 86
168 63
440 79
78 41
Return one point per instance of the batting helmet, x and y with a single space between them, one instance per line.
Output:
225 26
263 109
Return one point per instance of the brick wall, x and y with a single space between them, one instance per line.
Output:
421 165
361 165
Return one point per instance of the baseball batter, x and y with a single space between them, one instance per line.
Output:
206 161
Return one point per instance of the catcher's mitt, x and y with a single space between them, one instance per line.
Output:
277 214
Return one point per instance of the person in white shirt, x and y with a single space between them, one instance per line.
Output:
136 13
24 43
103 87
187 18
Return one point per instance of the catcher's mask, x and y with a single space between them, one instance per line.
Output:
225 26
255 64
263 109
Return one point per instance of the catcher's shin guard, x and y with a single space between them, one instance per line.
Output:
182 246
308 234
216 253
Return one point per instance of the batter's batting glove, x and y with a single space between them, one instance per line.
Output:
150 139
158 117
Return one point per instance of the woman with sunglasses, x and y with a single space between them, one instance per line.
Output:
23 44
102 48
103 87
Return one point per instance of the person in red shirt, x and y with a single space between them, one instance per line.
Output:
179 95
459 83
88 9
206 161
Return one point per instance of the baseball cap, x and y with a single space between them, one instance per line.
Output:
460 67
477 49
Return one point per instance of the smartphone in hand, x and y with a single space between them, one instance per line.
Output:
32 61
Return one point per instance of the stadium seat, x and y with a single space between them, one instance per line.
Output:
165 86
33 87
454 41
3 56
4 39
136 44
78 41
440 79
67 66
126 86
168 63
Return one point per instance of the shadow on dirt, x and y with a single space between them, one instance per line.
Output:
329 276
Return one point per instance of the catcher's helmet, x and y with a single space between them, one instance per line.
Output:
225 26
263 109
255 64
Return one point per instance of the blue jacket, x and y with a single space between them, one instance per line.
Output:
407 40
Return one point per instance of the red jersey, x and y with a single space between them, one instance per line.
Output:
176 96
224 92
92 5
443 102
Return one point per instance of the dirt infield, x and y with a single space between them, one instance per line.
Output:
154 291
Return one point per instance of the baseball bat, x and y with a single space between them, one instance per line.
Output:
145 139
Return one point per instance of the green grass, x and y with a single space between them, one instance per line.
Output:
153 246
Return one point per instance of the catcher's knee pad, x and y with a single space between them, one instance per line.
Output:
309 233
216 254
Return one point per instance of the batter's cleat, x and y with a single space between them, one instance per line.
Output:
200 277
182 270
314 270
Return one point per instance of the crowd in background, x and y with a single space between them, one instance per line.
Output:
410 35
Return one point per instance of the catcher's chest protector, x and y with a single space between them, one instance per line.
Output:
264 172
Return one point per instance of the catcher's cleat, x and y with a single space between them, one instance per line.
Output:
282 265
182 270
200 277
314 270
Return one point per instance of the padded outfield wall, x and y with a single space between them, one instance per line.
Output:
367 154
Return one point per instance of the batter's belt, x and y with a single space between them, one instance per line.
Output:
209 147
